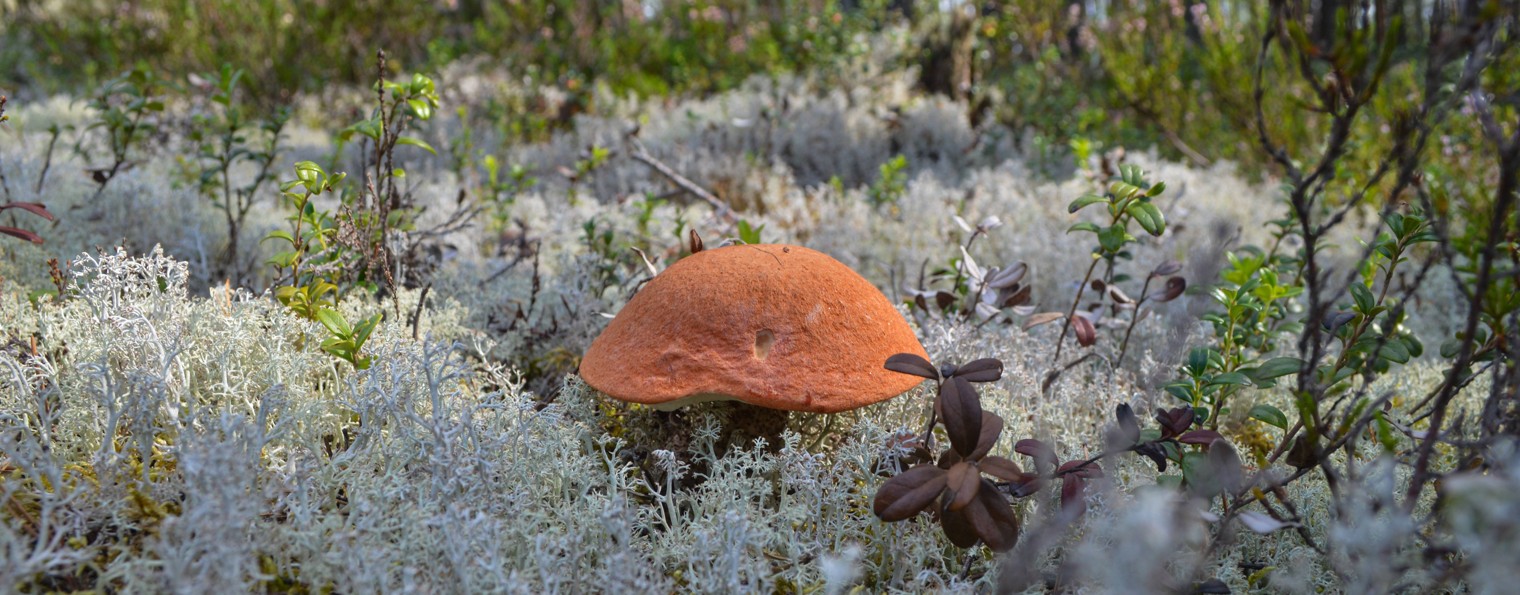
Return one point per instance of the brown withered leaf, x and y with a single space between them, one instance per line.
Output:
962 481
1087 334
694 241
962 410
908 363
983 370
1035 320
22 233
909 493
35 208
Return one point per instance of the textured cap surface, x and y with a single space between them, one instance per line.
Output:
771 325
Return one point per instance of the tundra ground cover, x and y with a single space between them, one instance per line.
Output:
367 384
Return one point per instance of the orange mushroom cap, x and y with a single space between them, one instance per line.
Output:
776 326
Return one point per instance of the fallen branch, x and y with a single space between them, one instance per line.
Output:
722 210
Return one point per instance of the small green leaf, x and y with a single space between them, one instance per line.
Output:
1270 415
1083 202
408 140
334 322
1085 226
1363 297
1149 217
1230 378
1274 368
279 234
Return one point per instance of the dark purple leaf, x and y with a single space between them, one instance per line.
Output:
1302 454
1174 288
35 208
913 365
988 519
948 459
1080 468
1087 334
1098 285
1016 297
1199 437
1129 426
962 409
943 299
993 518
1212 586
1044 456
1027 486
1073 496
1007 277
1336 320
1002 468
992 428
1169 267
1154 453
982 370
1175 421
22 233
962 481
909 493
958 527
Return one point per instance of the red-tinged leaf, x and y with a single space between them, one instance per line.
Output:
962 480
1002 468
1073 494
22 233
1087 334
992 428
1199 437
962 410
1035 320
909 493
34 208
913 365
1044 456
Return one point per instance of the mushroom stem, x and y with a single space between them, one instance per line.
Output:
747 422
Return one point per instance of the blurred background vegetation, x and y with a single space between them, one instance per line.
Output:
1069 79
1067 75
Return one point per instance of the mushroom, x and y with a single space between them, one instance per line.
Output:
772 328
